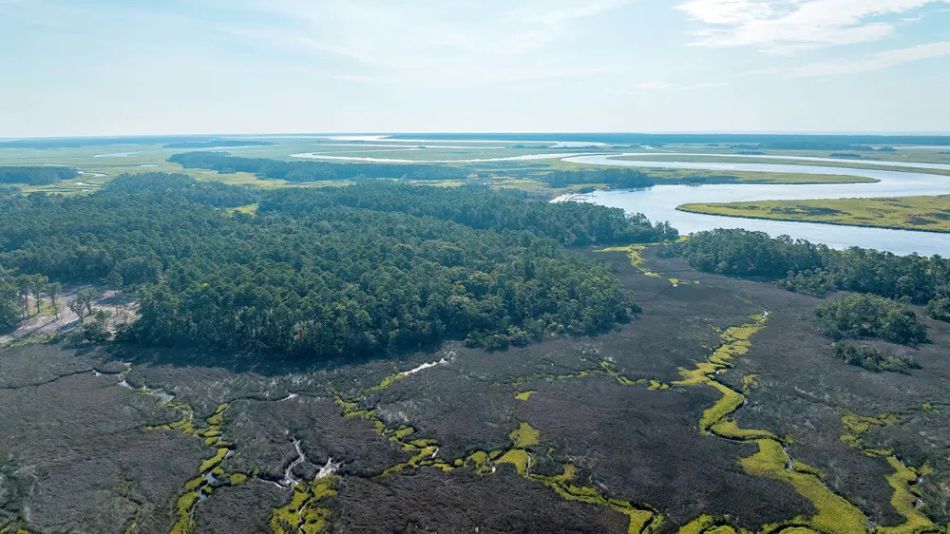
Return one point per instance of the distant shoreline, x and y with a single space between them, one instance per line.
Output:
686 208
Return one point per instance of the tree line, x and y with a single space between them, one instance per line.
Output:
801 266
36 175
617 178
22 296
627 178
311 171
363 270
570 223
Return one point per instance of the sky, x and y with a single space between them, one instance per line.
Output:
114 67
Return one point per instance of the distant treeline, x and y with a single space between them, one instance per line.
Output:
762 141
214 143
618 178
347 272
310 171
36 175
570 223
78 142
816 269
627 178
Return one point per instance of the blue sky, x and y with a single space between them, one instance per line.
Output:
87 67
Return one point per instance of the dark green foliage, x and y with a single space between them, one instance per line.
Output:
311 171
815 269
181 187
744 253
16 292
815 282
365 270
96 331
939 307
867 316
571 223
11 306
36 175
624 179
216 143
871 359
617 178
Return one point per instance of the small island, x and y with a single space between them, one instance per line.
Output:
922 213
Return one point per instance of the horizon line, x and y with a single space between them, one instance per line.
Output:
828 133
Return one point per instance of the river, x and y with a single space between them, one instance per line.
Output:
659 202
840 161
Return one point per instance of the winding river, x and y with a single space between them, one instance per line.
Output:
660 202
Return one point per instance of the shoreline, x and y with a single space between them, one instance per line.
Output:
808 221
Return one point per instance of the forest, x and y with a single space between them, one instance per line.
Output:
570 223
817 269
36 175
356 271
311 171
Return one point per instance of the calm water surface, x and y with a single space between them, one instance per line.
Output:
659 202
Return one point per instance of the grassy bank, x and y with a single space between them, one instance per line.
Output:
923 213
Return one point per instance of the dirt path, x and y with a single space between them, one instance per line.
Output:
50 323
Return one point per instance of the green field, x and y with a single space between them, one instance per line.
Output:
925 213
101 163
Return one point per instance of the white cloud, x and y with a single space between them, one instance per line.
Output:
783 26
420 42
875 62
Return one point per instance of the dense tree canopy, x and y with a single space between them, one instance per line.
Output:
571 223
816 269
939 306
362 270
311 171
869 316
36 175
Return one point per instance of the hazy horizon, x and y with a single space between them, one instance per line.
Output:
105 68
204 134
